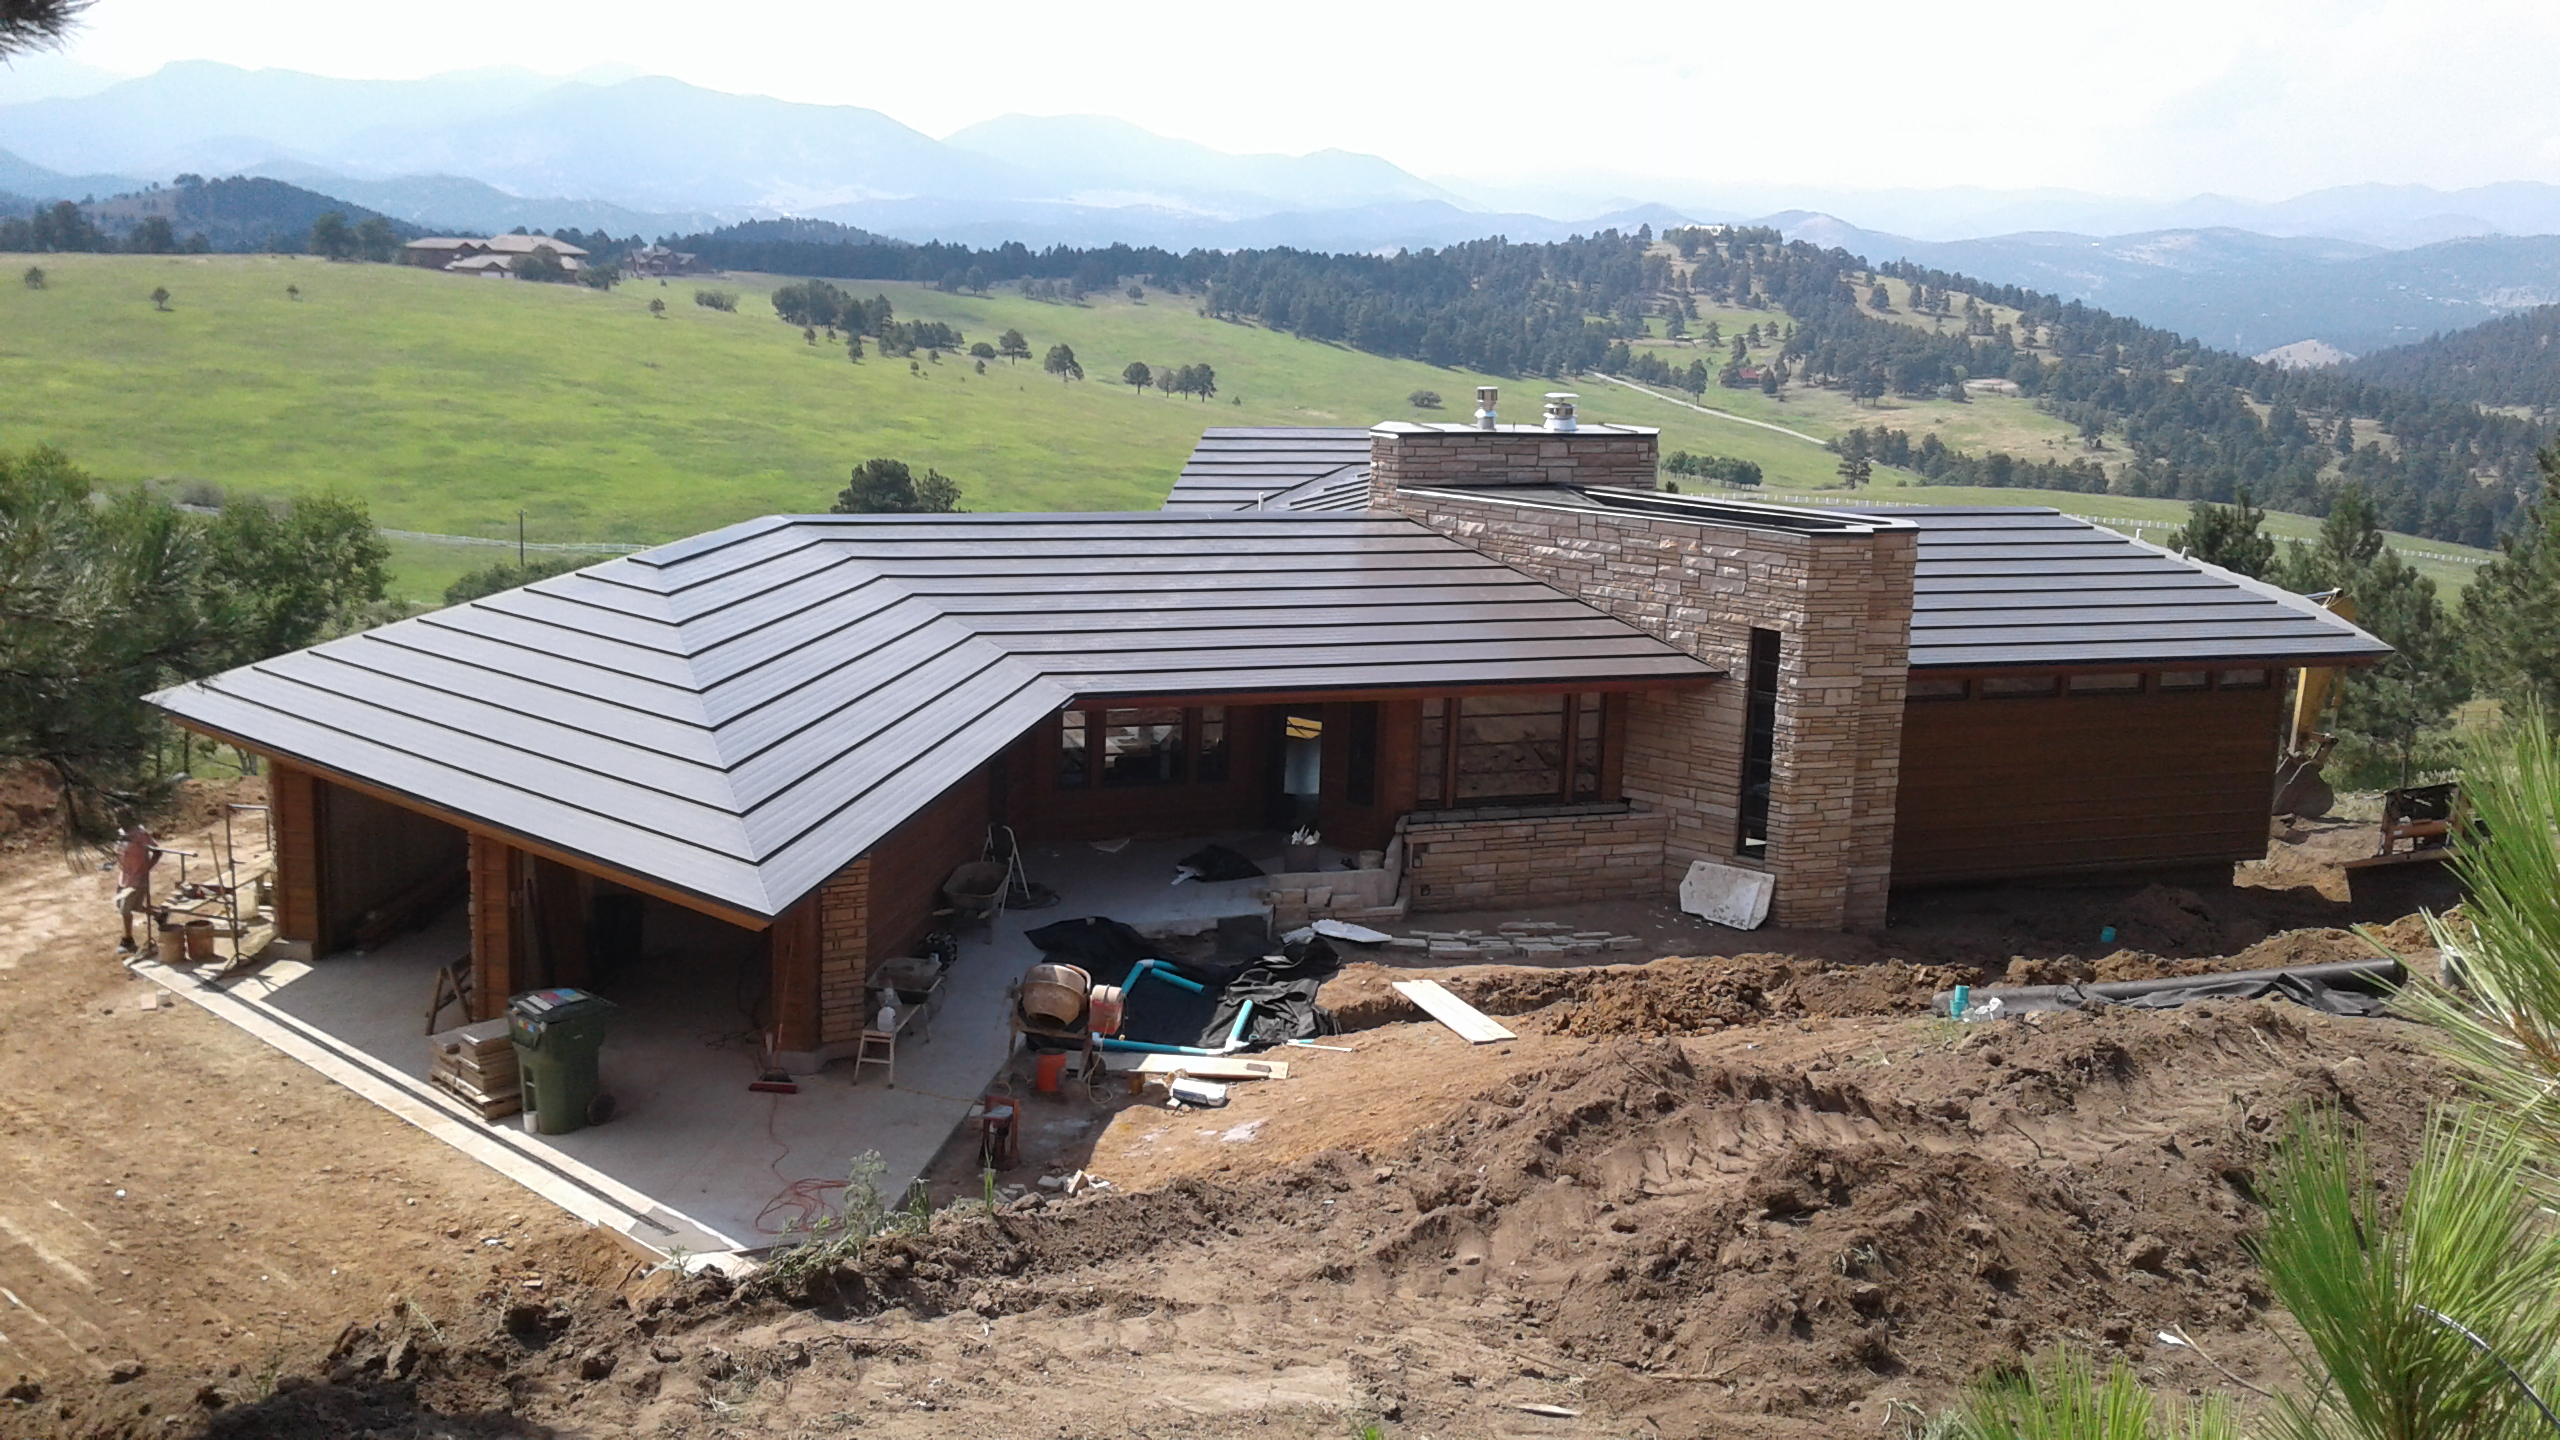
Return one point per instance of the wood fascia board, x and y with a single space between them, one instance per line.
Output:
2118 667
472 825
1090 699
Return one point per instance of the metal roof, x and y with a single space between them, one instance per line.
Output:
1246 468
2023 586
740 714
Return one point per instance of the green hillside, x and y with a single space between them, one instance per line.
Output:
449 404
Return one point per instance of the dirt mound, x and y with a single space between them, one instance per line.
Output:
1679 1233
1688 996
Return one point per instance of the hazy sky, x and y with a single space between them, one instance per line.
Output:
2162 98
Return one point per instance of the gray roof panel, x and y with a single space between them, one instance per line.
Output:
1243 469
739 714
2018 586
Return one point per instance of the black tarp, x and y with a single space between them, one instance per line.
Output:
2346 987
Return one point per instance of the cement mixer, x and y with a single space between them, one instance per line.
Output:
2300 788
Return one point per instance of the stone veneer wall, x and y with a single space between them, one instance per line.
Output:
1841 602
844 952
1402 452
1544 855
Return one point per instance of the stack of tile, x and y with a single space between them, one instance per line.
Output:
478 1064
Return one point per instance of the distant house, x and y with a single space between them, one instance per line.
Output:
459 253
659 260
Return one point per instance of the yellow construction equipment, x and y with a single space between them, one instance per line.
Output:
2300 790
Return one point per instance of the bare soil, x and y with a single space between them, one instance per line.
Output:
1758 1193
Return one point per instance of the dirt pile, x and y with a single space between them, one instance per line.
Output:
1708 1235
1691 996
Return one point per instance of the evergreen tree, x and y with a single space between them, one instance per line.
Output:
1137 376
332 238
1061 362
2511 613
2344 439
1012 346
2231 536
889 487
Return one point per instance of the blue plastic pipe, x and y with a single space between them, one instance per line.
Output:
1235 1037
1165 973
1149 1047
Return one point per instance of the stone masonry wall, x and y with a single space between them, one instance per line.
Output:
1841 602
1508 858
844 952
1403 453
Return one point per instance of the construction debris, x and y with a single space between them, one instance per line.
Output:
1469 1022
477 1063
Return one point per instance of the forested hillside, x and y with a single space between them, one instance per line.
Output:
2163 416
236 214
2508 361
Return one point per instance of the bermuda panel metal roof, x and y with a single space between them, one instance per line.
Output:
739 714
1239 468
2027 587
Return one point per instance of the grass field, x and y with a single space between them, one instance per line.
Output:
449 404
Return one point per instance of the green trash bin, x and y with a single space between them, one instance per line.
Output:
558 1036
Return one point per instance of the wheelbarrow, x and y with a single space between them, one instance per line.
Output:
975 891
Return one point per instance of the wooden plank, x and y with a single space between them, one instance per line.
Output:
1198 1067
1470 1023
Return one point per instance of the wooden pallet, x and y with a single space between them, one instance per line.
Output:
490 1107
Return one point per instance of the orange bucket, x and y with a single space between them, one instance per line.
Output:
1047 1073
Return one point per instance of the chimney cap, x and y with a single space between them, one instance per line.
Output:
1486 395
1560 406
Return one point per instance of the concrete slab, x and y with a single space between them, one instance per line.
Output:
726 1167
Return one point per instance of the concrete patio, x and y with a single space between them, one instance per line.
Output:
692 1159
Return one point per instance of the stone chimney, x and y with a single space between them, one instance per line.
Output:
1560 451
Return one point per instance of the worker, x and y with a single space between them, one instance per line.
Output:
136 853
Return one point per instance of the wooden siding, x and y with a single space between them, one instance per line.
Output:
908 868
372 852
792 946
493 927
1998 788
295 797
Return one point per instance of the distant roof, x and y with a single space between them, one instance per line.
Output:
1242 468
739 714
2025 586
503 244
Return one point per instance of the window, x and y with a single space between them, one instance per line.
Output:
1588 733
2243 680
2104 684
1432 755
1074 773
2183 679
1511 748
1212 766
1143 747
1360 755
2011 687
1935 689
1759 744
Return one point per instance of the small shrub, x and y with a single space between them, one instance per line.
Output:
720 300
1424 399
34 278
160 297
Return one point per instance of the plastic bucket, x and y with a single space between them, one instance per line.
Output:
1047 1073
199 940
1102 1015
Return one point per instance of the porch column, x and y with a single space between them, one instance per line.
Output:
493 926
792 946
295 799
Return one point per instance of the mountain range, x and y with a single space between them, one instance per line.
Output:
2354 269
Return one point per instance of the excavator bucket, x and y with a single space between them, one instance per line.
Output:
2300 790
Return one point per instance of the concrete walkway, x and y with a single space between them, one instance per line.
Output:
709 1165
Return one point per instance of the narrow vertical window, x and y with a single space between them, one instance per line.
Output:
1074 770
1759 743
1586 748
1431 759
1213 746
1360 755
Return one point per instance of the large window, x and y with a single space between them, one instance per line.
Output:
1132 747
1759 744
1144 747
1510 750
